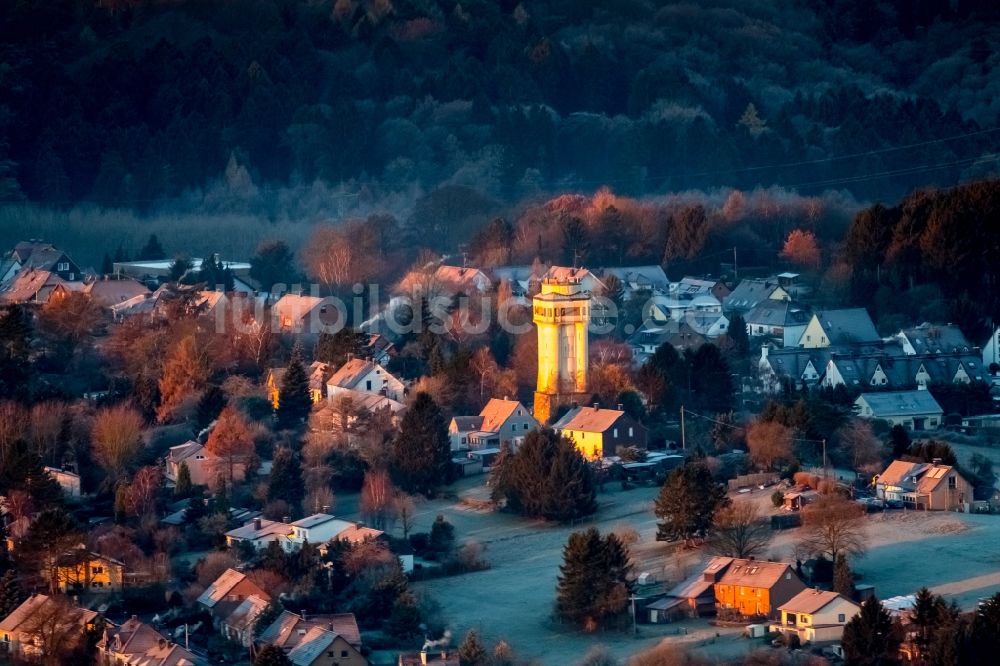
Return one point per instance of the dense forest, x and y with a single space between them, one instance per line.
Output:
261 105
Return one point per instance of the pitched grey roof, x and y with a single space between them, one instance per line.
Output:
930 338
770 312
848 326
900 403
749 293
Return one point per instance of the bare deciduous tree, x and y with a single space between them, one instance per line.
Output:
406 510
117 439
769 442
57 628
865 449
377 496
834 525
740 531
184 375
231 439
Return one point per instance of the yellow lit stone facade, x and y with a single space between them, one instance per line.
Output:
561 312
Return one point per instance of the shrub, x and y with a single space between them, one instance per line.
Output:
777 498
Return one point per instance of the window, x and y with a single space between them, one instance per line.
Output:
72 276
343 653
63 266
952 483
841 618
615 433
368 385
513 427
98 570
525 426
809 338
464 440
630 432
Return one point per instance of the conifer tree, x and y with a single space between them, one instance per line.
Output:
421 453
471 651
211 403
870 639
182 487
404 619
843 579
286 479
152 250
294 402
546 478
687 503
11 594
594 579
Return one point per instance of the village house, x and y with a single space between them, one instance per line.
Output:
135 643
754 588
930 338
508 420
106 292
82 571
751 291
702 285
914 410
815 616
317 372
692 597
203 465
68 481
928 486
227 592
39 256
833 328
351 409
598 433
637 280
316 640
784 321
318 528
365 376
32 285
379 349
239 625
310 315
792 365
22 633
653 334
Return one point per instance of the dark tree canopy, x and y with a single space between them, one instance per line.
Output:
687 503
421 452
294 400
594 579
871 638
546 478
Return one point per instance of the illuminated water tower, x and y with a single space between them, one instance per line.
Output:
561 312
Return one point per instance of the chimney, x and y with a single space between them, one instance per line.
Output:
329 626
597 405
286 519
936 461
256 524
423 657
620 407
303 615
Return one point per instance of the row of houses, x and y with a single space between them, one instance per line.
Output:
595 431
749 589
